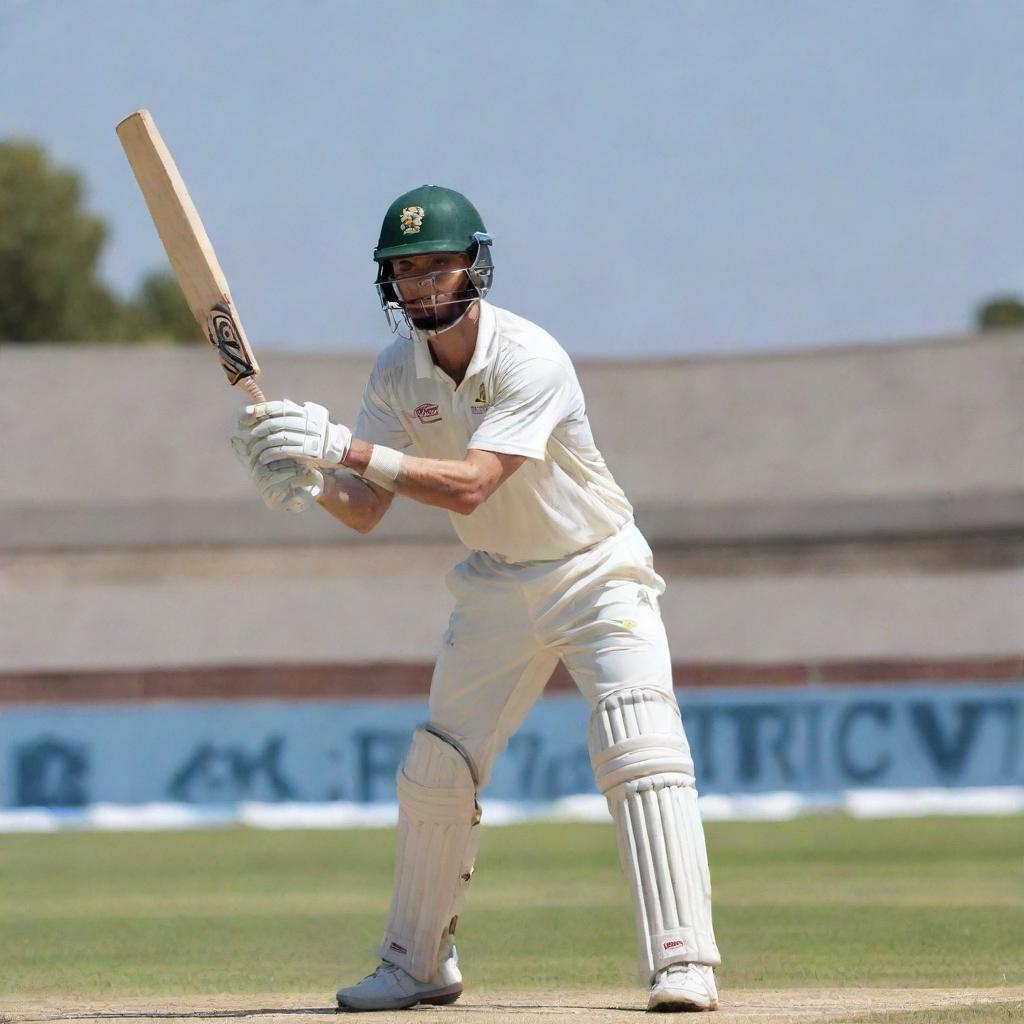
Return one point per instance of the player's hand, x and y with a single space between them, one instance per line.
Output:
284 484
285 430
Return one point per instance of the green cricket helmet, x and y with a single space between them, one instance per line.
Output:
433 219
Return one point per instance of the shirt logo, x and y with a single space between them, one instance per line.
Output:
479 406
427 413
412 220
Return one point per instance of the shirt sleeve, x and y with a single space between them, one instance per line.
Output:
530 402
377 421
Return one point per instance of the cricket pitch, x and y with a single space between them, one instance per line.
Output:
780 1006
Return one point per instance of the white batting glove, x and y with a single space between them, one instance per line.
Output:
283 484
285 430
288 485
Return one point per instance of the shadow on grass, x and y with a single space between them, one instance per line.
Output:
314 1011
283 1011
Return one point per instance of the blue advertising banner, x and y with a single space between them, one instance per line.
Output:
745 741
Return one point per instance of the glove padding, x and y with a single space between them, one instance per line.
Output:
283 429
288 485
283 484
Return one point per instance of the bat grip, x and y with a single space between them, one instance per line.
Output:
250 385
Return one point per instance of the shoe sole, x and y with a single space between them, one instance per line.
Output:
443 998
682 1006
439 997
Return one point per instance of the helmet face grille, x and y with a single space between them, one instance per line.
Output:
479 274
481 270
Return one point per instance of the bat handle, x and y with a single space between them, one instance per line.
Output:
250 385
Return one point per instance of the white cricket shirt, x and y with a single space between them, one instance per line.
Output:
520 396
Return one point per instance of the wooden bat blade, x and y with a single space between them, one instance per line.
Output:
187 246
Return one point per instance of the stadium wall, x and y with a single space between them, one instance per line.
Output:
860 505
842 534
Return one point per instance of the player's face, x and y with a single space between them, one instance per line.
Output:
431 287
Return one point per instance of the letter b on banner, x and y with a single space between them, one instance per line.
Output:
51 773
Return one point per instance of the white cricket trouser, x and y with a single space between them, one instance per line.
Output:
596 610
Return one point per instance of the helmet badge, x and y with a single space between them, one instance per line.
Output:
412 220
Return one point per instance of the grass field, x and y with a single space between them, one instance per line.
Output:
818 903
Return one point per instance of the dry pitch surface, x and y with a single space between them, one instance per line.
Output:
792 1006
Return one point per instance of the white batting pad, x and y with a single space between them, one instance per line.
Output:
643 766
437 842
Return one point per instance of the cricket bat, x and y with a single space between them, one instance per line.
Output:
188 248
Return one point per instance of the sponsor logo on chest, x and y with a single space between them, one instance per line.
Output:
428 412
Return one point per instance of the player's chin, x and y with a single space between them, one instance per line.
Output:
419 318
435 321
431 322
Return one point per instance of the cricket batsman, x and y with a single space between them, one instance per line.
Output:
479 411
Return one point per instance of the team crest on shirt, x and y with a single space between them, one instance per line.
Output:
412 220
427 413
480 406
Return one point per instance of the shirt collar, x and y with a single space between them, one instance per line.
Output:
482 350
424 363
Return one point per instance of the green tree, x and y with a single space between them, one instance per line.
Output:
159 312
1000 312
49 255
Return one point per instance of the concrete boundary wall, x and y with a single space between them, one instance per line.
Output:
904 439
860 505
125 609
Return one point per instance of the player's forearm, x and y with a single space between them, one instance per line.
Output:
353 501
454 485
457 485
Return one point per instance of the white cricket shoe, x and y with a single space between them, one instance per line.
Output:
391 988
683 987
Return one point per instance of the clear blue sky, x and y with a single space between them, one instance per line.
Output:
661 177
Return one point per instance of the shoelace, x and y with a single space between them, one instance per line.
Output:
383 968
676 969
